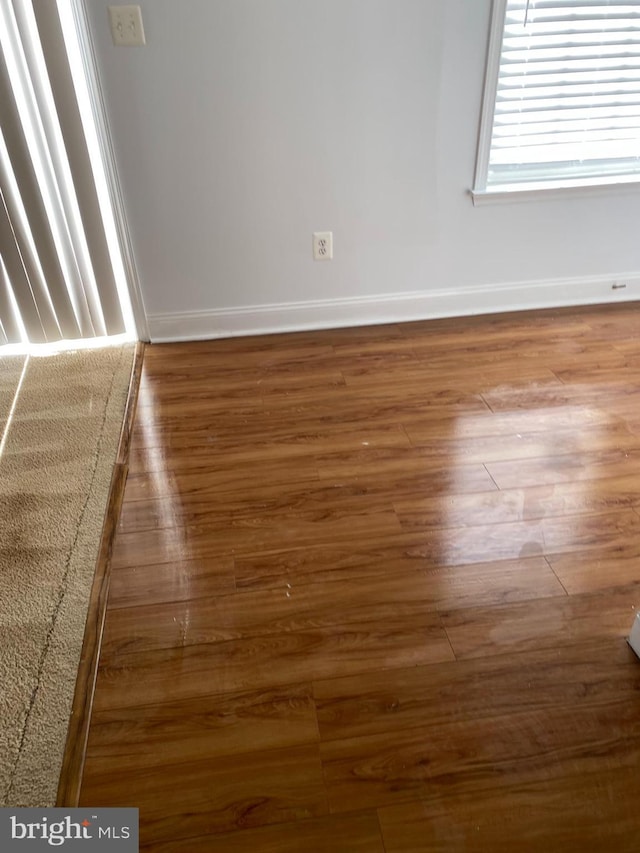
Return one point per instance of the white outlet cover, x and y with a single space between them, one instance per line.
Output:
323 245
126 26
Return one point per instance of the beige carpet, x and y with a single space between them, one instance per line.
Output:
59 442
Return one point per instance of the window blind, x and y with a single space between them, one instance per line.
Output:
56 276
568 92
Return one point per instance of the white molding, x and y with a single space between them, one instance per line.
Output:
109 163
392 308
492 69
539 191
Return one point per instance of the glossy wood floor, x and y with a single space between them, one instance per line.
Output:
371 589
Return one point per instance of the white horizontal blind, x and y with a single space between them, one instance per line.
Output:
568 94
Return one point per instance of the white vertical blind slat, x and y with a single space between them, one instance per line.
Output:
18 279
101 271
10 332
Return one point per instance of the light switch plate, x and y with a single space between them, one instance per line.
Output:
126 26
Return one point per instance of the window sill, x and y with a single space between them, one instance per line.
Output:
542 191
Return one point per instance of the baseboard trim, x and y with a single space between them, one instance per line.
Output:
392 308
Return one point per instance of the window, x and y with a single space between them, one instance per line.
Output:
562 96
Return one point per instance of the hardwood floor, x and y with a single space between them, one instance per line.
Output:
371 589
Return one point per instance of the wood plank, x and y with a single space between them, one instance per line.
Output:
255 349
630 347
126 680
224 411
524 504
137 585
208 797
149 736
292 606
186 444
543 537
544 421
192 393
274 346
450 586
567 468
301 507
391 702
435 376
620 393
361 557
353 833
537 356
614 323
214 478
572 814
446 451
607 369
384 403
542 623
237 371
259 613
405 471
500 330
237 533
352 496
496 753
600 572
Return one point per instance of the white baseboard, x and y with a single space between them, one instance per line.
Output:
391 308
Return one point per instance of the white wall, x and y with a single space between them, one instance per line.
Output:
244 125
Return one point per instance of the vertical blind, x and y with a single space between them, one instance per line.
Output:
568 94
56 274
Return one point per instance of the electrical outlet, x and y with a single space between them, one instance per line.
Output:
126 25
323 245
